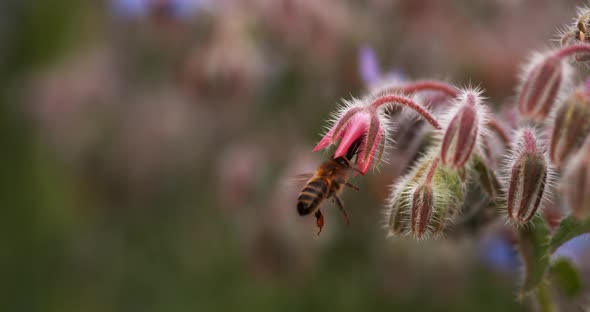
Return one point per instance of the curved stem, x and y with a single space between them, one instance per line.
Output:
499 131
433 85
431 171
572 49
402 100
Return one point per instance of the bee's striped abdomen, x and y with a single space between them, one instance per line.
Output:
311 196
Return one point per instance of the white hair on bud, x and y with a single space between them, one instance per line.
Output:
446 206
513 155
481 112
386 85
535 59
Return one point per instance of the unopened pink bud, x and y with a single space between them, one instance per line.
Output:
576 182
571 127
528 174
400 201
543 81
421 210
462 131
425 200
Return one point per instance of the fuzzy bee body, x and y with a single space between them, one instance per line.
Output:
312 195
326 183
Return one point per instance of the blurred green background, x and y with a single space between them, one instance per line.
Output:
148 147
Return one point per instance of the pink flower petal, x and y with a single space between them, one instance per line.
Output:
358 127
364 165
325 141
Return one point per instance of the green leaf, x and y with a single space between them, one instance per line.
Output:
569 228
564 274
534 246
487 178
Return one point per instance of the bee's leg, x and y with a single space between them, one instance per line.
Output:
319 220
342 181
357 171
352 186
341 207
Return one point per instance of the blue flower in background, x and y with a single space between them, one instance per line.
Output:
140 8
130 8
499 254
574 249
368 65
370 70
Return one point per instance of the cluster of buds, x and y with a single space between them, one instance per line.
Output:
426 199
431 195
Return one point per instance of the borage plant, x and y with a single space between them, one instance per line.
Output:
544 157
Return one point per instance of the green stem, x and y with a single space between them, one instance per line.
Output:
543 297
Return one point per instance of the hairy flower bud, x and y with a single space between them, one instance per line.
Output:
528 172
571 126
576 182
462 131
424 200
543 82
422 208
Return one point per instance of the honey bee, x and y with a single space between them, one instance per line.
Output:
579 33
326 183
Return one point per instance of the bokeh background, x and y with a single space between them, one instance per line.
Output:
148 148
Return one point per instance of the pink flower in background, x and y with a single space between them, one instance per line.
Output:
361 124
571 126
544 80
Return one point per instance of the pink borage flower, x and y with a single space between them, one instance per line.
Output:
356 121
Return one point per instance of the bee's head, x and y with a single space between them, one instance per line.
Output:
343 161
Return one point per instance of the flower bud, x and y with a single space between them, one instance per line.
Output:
424 200
571 126
576 182
400 201
462 130
422 209
528 173
544 79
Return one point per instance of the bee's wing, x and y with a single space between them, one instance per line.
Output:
299 180
303 177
